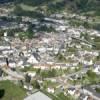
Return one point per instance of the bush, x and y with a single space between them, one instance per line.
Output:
20 12
97 90
46 29
35 84
49 73
91 74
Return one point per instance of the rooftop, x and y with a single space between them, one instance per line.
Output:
38 96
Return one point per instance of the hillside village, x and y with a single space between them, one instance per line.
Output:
52 57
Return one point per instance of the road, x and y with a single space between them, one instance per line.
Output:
7 78
13 73
85 41
84 70
76 73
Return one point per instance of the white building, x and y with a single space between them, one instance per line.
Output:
32 60
50 90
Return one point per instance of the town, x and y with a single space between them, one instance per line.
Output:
51 58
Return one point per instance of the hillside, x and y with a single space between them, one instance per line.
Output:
6 1
61 5
57 5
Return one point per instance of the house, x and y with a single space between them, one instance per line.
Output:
97 67
77 93
97 64
55 50
73 77
91 91
54 20
61 28
86 97
63 66
42 50
20 63
50 90
4 47
28 87
71 90
32 60
42 66
56 66
2 61
31 74
12 64
57 16
37 56
96 70
1 72
51 79
87 62
38 96
7 51
5 34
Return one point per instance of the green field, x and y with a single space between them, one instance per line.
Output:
10 91
27 7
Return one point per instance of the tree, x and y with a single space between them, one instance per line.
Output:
98 57
51 73
27 78
30 32
87 37
18 19
21 83
35 84
60 57
38 71
1 72
18 10
97 90
96 26
61 96
91 74
86 25
81 3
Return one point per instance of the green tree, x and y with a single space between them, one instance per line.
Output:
18 10
21 83
91 74
30 32
92 77
98 57
35 84
27 78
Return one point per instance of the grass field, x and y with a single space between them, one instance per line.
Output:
27 7
10 91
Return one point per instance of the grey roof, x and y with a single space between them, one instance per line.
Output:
38 96
71 88
82 96
92 91
37 56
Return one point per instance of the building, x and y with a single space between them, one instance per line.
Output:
38 96
90 91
